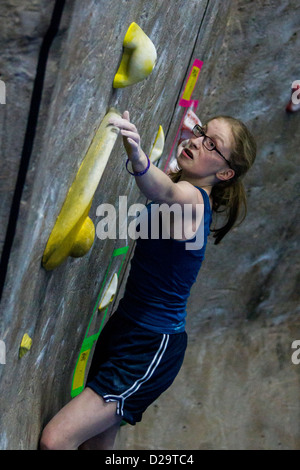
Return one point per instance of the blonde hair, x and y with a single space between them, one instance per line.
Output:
229 197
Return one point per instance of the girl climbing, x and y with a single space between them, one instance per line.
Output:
141 349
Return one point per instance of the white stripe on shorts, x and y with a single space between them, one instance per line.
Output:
150 371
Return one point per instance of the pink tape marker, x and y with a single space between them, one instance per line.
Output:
189 119
186 100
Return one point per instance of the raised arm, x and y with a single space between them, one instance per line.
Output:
154 184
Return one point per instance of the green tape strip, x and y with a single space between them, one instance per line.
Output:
89 341
120 251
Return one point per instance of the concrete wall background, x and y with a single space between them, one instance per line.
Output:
238 387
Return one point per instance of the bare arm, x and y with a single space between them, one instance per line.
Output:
154 184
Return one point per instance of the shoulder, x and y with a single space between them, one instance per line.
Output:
188 193
181 193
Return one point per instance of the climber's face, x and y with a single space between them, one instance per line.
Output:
207 153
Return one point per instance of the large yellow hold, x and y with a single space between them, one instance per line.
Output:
138 60
74 232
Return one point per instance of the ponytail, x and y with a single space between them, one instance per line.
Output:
229 198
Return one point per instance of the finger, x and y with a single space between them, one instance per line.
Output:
122 124
132 135
133 143
126 115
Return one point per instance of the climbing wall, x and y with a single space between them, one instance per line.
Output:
238 387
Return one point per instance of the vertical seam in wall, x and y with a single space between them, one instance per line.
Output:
191 57
196 41
35 103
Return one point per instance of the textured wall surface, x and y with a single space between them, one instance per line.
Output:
238 388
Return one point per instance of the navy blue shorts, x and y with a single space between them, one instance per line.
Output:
134 366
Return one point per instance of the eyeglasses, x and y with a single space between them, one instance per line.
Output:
208 143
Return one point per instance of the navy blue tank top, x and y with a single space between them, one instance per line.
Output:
161 275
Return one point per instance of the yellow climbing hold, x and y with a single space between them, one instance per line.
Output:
84 239
25 345
78 380
158 145
74 232
138 60
109 293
